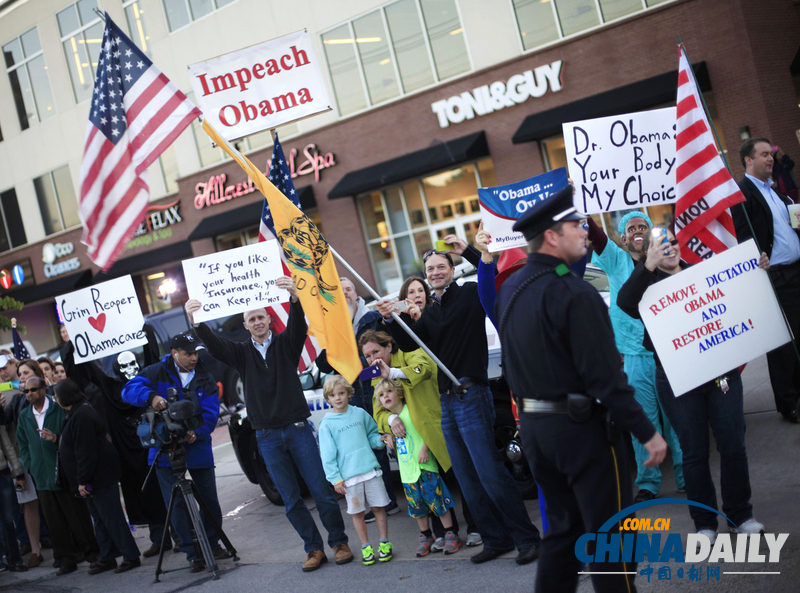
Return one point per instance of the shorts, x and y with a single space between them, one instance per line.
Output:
372 492
428 495
29 493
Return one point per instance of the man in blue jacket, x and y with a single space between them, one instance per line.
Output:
182 371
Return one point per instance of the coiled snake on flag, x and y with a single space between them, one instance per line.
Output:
302 235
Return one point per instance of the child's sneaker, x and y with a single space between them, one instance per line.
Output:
452 543
368 555
438 545
424 547
384 551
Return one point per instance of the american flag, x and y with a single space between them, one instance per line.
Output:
705 188
136 113
20 351
281 178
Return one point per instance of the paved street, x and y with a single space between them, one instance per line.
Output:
271 553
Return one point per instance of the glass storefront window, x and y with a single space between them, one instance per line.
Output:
409 45
422 41
614 9
540 22
374 220
376 59
403 222
536 22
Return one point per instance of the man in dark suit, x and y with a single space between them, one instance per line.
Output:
768 214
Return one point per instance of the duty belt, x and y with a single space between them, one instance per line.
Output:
540 406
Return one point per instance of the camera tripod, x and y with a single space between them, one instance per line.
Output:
191 497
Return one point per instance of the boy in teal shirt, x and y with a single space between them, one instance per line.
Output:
425 490
347 436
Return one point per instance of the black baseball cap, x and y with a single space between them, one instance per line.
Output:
545 214
187 342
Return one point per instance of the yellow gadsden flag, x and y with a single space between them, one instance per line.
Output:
309 258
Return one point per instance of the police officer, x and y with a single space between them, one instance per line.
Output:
560 360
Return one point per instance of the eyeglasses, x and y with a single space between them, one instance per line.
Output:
431 252
27 391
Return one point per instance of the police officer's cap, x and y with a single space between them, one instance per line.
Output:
547 213
187 342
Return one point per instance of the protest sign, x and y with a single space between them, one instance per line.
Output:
103 319
713 317
235 280
260 87
501 206
622 162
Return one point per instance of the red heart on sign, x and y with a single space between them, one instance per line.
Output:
99 323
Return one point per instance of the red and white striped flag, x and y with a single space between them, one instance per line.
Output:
705 188
136 113
281 178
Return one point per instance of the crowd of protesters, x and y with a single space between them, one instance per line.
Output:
68 440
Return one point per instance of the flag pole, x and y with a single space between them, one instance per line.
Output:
744 210
705 109
397 318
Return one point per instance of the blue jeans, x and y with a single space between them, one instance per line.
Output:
112 531
291 443
206 483
494 500
690 415
641 372
8 500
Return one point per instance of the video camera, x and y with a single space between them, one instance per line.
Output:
168 427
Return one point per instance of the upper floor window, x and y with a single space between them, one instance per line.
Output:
182 12
29 82
397 49
82 36
544 21
12 232
136 25
57 200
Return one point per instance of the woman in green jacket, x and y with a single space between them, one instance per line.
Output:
418 373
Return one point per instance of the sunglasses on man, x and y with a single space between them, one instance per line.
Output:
35 389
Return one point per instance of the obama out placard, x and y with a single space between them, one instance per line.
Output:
713 317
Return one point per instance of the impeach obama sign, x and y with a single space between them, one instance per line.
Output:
713 317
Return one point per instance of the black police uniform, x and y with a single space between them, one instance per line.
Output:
558 340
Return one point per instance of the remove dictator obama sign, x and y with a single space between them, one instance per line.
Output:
622 162
260 87
103 319
235 280
713 317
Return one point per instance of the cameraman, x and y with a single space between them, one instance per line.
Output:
182 371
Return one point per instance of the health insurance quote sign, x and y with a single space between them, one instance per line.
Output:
713 317
236 280
622 162
103 319
501 206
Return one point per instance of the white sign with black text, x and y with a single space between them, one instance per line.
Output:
236 280
103 319
622 162
260 87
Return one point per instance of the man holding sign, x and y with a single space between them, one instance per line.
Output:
278 412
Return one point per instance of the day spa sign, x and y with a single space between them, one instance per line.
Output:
216 191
